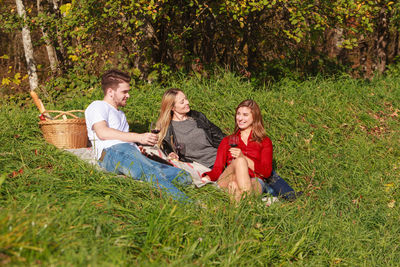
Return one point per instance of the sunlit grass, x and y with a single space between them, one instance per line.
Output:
337 140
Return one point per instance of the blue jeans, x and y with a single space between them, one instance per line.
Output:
126 159
265 188
278 187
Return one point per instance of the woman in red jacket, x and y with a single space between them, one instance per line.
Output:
244 159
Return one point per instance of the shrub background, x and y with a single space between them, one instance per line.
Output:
264 41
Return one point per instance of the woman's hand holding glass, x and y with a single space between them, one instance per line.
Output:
179 149
233 143
173 156
235 152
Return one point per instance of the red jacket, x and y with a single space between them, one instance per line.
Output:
260 153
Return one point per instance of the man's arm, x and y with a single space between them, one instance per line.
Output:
104 132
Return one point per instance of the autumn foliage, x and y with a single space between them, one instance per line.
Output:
266 39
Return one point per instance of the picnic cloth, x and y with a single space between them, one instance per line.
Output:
195 169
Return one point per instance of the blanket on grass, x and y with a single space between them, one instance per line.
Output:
195 169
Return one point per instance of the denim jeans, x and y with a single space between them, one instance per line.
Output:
278 187
265 188
126 159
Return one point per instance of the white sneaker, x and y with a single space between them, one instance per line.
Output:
269 200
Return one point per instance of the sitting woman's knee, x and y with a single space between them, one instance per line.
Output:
240 161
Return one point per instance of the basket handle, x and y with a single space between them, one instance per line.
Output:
61 113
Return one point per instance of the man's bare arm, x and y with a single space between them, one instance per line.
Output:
104 132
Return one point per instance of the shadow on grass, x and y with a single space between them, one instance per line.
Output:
139 127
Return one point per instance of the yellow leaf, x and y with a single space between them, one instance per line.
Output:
337 260
391 203
5 81
73 57
65 9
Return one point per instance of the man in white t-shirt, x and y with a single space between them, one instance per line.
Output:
115 146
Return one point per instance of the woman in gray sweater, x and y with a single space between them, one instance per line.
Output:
186 134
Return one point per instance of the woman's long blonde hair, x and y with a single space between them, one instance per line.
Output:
258 126
166 113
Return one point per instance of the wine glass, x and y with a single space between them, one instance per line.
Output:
233 140
153 128
180 149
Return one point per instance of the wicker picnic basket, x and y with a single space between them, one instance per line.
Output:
64 132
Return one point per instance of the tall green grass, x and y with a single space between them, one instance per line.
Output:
335 139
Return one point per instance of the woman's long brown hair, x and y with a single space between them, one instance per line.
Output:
258 125
165 116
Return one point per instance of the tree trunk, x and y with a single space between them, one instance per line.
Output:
60 51
334 39
28 49
251 40
51 52
382 40
396 49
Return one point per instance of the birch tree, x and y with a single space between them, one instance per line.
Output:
28 49
51 53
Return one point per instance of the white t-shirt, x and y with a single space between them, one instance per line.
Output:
102 111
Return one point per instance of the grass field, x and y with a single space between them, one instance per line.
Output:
335 139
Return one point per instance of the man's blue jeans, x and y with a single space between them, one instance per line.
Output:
126 159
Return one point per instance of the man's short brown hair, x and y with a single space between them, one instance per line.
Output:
112 78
